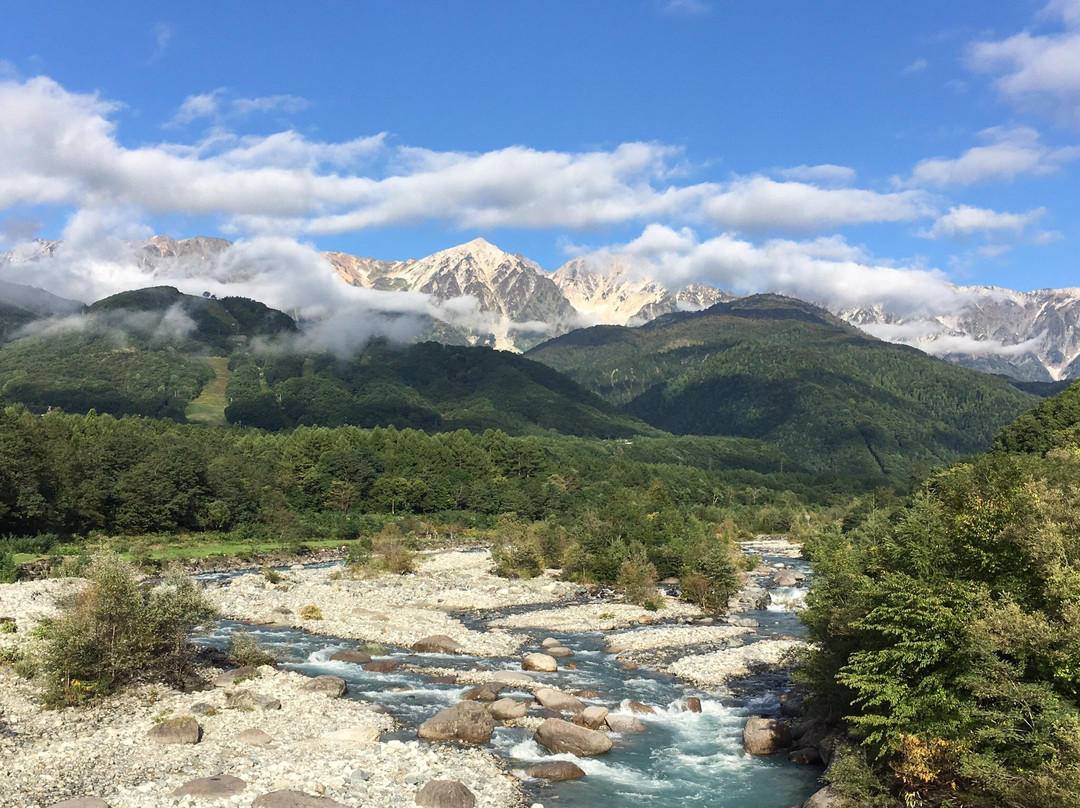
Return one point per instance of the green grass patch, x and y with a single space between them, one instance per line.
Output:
209 407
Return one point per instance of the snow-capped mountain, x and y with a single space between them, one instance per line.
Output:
485 295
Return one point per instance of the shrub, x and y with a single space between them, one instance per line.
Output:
245 649
8 569
310 612
358 554
712 579
637 578
271 575
8 627
117 631
393 549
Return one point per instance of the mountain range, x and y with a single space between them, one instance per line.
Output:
509 302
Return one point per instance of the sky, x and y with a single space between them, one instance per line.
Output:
843 151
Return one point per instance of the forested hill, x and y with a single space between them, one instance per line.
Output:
160 353
947 629
791 374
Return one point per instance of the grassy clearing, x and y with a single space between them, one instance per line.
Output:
209 408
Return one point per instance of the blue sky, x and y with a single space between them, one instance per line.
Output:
849 150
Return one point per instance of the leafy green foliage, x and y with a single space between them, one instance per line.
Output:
790 374
118 631
949 627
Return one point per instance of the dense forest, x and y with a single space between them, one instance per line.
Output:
789 373
949 629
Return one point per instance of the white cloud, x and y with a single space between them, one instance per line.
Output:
1009 153
918 66
760 204
963 221
825 270
204 105
218 107
162 37
1038 71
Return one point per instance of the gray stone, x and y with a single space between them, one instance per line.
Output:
560 736
247 700
466 721
512 678
175 730
765 736
81 802
592 717
507 709
445 794
255 737
381 666
638 707
555 770
293 799
693 704
437 644
824 798
221 785
348 655
489 691
557 700
625 724
539 662
550 642
228 678
333 686
559 652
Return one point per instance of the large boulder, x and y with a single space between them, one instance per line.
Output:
445 794
293 799
246 700
624 724
693 704
555 770
507 709
559 652
560 736
381 666
489 691
557 700
350 655
550 642
184 729
592 717
216 787
639 708
437 644
333 686
466 721
765 736
824 798
539 662
229 678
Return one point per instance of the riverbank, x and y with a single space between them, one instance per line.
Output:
330 747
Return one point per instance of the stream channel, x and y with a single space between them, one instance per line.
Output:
682 759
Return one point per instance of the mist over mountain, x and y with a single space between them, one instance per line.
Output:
477 294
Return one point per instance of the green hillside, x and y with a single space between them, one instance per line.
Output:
426 386
789 373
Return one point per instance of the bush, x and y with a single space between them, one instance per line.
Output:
393 549
310 612
8 569
117 631
271 575
637 579
245 649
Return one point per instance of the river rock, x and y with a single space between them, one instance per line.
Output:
184 729
293 799
557 700
437 644
255 737
512 678
785 578
466 721
559 652
805 756
765 736
216 787
445 794
550 642
333 686
507 709
381 666
824 798
555 770
228 678
639 708
81 802
489 691
349 655
693 704
539 662
592 717
352 736
560 736
246 700
624 724
587 693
